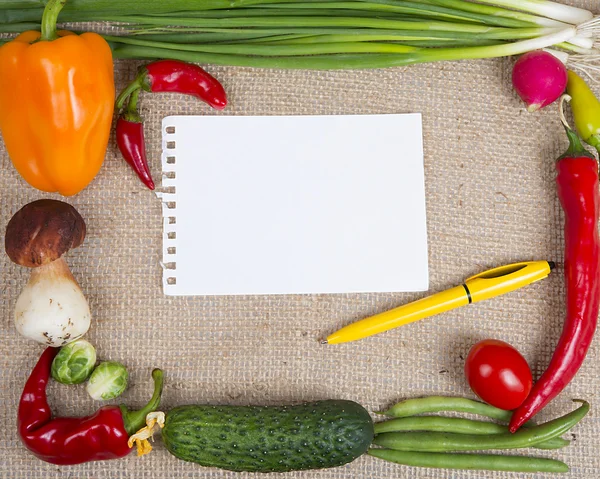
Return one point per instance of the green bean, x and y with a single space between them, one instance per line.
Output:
554 443
455 425
483 462
416 406
445 442
412 407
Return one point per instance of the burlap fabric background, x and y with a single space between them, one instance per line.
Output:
491 200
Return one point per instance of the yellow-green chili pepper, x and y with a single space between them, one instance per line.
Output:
586 110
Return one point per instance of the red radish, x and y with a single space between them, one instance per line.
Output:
539 78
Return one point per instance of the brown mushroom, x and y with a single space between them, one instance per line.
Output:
42 231
51 308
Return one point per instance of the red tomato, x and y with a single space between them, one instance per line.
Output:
498 374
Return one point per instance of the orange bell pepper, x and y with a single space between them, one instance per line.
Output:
56 104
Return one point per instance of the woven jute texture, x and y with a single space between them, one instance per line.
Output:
491 200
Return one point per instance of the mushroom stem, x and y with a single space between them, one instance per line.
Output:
52 308
57 270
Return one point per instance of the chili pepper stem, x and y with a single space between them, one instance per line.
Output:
49 19
131 112
134 86
135 420
576 147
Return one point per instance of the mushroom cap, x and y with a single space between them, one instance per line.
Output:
42 231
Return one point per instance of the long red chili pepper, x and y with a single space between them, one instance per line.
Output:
131 141
177 77
66 441
577 183
180 77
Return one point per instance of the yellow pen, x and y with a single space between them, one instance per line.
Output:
488 284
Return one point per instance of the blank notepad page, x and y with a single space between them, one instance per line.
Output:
294 204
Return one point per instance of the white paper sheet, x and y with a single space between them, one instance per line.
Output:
301 204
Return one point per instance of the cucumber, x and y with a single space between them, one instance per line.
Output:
269 439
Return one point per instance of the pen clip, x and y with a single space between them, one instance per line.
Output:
500 271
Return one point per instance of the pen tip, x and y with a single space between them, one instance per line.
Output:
324 341
552 265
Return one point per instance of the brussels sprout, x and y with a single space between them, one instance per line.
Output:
74 362
108 381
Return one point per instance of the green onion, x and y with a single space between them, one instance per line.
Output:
21 4
420 39
237 36
256 49
154 6
541 8
17 16
412 8
497 33
278 11
324 34
544 8
18 27
427 41
557 11
493 11
323 21
344 60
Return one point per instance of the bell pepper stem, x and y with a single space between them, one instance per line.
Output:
135 420
50 18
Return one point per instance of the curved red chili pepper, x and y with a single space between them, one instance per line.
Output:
577 183
180 77
131 141
132 145
67 441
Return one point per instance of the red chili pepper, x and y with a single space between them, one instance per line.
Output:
577 182
178 77
67 441
131 141
160 76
